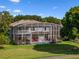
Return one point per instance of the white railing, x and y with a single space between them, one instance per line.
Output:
23 31
29 30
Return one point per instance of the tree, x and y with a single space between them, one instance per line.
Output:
70 23
73 33
4 39
38 18
5 20
29 17
51 20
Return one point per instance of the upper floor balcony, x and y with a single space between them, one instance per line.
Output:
30 30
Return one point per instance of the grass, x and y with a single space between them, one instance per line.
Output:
38 51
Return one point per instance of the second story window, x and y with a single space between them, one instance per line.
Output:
20 28
45 28
26 28
33 28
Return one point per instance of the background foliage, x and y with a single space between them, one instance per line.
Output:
70 23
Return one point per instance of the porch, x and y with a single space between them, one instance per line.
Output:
32 38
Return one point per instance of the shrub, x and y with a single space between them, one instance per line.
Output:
4 39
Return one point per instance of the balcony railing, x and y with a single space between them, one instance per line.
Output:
29 31
22 31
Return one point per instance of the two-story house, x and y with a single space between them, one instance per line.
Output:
31 31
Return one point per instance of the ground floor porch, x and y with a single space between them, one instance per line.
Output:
32 38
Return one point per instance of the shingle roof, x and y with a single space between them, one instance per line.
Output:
24 22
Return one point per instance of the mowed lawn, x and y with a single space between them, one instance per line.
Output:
38 51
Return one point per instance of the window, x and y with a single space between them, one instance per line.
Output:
18 37
26 28
45 28
33 28
20 28
34 37
26 35
46 36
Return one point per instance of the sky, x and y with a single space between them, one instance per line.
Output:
44 8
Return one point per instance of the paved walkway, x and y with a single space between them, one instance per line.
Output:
63 57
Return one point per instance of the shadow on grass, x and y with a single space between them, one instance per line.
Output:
57 48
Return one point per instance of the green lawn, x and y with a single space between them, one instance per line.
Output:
38 51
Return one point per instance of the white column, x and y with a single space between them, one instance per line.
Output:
56 32
30 34
13 33
53 32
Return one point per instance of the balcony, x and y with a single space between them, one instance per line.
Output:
32 30
40 30
22 31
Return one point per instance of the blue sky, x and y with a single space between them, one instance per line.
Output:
56 8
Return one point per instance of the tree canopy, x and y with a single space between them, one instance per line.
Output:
51 20
38 18
5 20
25 17
71 23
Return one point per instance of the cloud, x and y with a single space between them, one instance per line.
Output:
2 6
8 10
15 1
55 7
17 11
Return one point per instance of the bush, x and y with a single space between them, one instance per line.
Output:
4 39
12 43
